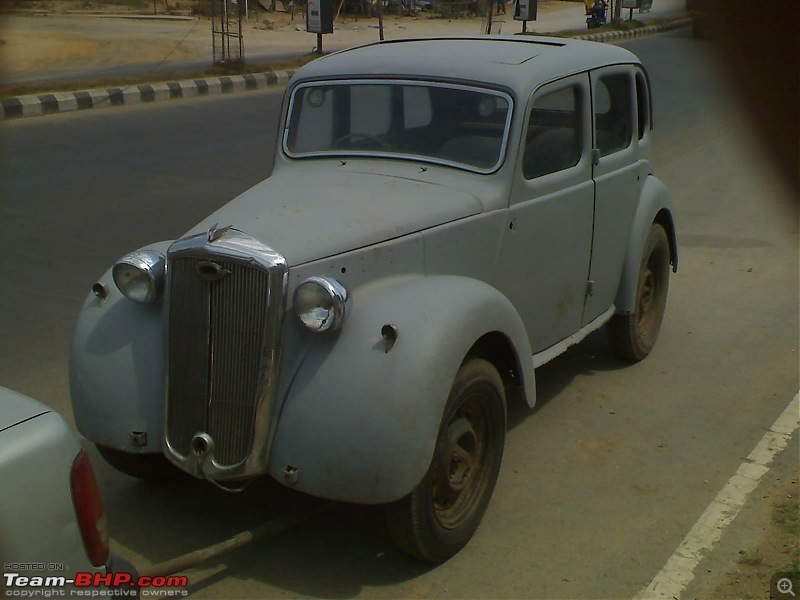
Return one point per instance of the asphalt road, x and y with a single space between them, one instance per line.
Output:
599 484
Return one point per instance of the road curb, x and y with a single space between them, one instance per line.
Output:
58 102
614 36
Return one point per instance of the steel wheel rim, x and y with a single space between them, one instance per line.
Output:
463 458
649 291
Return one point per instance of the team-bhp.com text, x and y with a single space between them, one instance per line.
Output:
94 585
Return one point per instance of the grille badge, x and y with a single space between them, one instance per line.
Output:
210 271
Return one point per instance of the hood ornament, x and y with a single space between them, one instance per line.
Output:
214 234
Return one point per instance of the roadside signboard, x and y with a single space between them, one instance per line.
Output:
319 16
525 10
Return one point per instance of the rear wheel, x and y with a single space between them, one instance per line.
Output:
633 336
440 516
149 467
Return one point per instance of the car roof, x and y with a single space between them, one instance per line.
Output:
520 63
16 408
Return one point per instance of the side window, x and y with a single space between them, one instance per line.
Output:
612 113
553 140
642 103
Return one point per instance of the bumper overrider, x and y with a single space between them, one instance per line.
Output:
224 307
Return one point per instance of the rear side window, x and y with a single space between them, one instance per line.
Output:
553 140
612 113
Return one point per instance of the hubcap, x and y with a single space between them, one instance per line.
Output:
648 296
461 464
461 460
647 293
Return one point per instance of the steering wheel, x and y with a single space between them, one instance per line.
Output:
343 142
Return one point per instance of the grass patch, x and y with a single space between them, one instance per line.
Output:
750 558
795 564
787 515
9 90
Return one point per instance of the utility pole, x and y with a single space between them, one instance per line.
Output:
616 9
379 6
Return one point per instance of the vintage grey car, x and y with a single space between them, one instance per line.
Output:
444 216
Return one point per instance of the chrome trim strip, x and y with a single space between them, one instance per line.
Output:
236 246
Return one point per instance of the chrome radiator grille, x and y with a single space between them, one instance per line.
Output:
221 346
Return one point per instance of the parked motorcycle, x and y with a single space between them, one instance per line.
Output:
596 16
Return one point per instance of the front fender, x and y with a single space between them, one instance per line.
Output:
116 370
654 206
359 423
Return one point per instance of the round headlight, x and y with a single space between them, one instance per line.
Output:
321 303
140 275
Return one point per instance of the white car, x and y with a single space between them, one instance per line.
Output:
52 520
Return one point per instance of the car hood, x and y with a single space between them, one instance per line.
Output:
310 216
16 408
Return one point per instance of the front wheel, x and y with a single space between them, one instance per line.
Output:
633 336
442 513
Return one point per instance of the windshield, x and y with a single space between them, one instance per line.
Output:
455 125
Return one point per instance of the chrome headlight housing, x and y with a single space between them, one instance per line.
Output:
321 304
140 276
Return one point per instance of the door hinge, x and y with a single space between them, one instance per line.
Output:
589 287
595 156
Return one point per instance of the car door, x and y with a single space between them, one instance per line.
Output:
617 180
543 265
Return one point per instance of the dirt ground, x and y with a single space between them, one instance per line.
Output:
61 36
778 550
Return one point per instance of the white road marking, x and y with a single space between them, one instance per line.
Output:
679 569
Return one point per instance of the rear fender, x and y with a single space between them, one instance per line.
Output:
655 206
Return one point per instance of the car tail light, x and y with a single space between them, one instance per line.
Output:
89 509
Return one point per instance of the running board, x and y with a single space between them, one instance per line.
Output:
547 355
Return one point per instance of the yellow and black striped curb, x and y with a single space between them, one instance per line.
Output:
58 102
615 36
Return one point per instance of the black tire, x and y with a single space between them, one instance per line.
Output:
148 467
633 336
439 517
